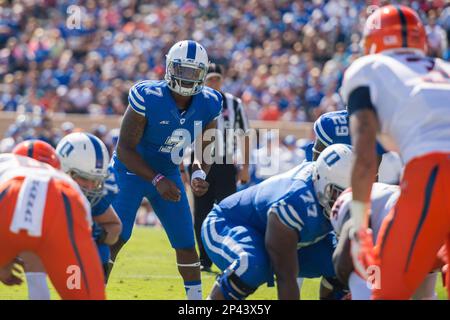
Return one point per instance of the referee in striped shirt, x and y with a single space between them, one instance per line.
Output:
222 177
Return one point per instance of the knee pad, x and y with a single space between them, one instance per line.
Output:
232 287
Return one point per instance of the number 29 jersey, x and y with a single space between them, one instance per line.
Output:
333 127
169 130
411 96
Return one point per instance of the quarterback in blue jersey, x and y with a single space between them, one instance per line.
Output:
164 117
280 226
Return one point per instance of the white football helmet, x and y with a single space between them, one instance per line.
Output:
186 67
86 156
332 174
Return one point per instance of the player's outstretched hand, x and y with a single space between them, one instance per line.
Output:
168 190
199 187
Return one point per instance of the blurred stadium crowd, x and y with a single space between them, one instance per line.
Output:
285 58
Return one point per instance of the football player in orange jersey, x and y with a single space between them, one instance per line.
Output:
399 94
106 221
34 270
383 199
43 211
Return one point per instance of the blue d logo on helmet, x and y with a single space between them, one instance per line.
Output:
66 149
186 67
331 158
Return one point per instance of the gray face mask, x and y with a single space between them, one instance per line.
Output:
93 195
328 198
190 78
185 73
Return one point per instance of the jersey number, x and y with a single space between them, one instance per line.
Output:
341 125
435 73
342 131
155 91
207 94
437 76
173 141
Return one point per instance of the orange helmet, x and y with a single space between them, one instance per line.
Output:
38 150
392 27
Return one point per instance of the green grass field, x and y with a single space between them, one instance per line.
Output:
146 269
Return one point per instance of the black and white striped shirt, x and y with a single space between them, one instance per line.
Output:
231 119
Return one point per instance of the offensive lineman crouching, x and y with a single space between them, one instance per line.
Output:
57 228
85 159
281 223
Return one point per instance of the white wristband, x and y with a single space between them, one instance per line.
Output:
358 211
198 174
